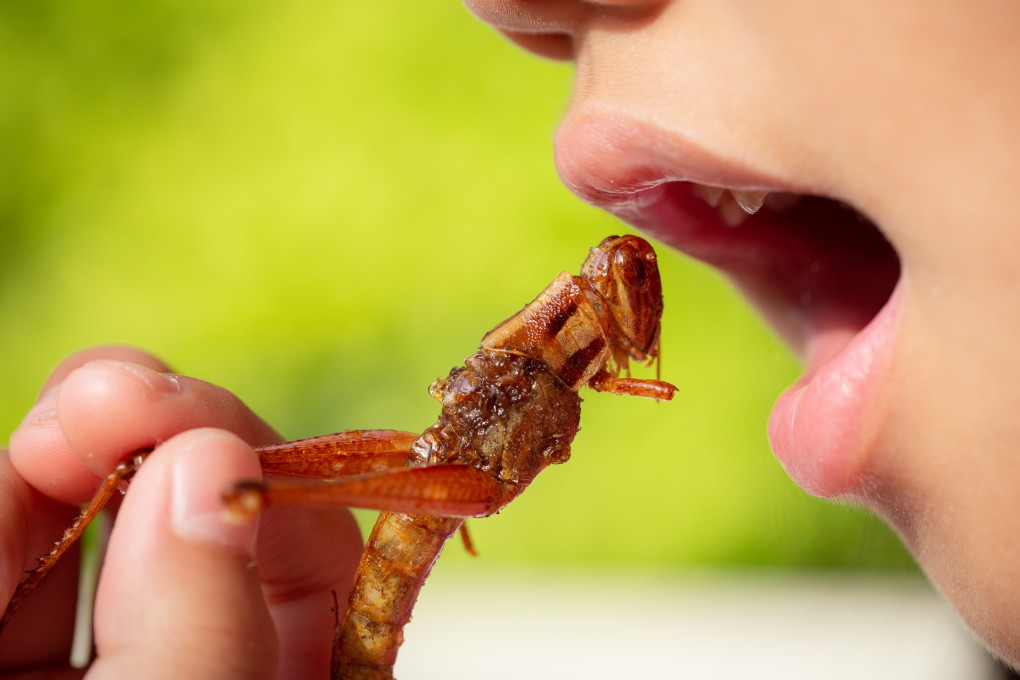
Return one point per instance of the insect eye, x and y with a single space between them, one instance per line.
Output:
631 269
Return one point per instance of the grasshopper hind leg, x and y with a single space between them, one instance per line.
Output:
110 486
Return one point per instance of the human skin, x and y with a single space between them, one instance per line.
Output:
181 593
910 113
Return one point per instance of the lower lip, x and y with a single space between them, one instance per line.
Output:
822 428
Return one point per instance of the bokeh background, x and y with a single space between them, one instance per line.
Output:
323 206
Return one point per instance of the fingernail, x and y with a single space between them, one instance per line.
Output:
201 472
153 380
45 410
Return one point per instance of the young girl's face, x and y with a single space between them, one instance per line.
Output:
887 136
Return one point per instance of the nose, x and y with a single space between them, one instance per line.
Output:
545 27
528 16
549 27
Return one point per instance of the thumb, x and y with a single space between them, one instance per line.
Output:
179 595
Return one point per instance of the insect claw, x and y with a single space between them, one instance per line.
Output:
469 545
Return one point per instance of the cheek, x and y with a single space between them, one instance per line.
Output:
945 468
952 399
961 530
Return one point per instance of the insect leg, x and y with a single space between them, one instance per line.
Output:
121 474
466 538
441 490
652 389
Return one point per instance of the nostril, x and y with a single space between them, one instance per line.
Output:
557 46
529 16
626 3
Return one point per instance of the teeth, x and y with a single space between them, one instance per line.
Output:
710 195
733 215
735 205
750 201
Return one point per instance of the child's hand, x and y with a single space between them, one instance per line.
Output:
181 594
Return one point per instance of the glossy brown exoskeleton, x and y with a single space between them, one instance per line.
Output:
510 411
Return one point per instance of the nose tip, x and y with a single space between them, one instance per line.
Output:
544 27
529 16
549 27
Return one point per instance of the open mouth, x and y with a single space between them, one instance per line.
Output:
819 271
816 268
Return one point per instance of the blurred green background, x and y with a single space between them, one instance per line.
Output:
323 206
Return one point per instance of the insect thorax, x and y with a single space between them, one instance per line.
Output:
502 413
560 328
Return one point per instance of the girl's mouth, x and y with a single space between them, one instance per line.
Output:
819 271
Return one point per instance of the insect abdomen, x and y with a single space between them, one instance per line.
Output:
398 557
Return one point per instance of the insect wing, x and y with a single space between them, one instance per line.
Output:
342 454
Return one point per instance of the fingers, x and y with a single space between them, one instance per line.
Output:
28 524
97 409
111 352
305 555
38 448
179 595
108 408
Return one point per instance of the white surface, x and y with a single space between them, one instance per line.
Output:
625 625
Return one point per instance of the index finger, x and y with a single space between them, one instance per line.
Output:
107 409
38 448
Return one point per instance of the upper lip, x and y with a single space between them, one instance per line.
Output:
812 271
606 159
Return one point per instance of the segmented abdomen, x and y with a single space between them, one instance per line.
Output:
503 413
398 557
